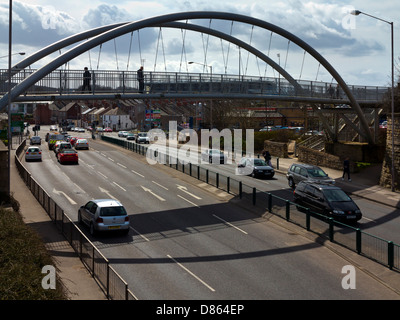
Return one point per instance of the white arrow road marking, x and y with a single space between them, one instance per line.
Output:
151 192
184 189
108 193
65 195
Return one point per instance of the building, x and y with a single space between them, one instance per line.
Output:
117 120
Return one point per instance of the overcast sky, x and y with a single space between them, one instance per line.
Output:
358 47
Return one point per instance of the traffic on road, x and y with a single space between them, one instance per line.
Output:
189 236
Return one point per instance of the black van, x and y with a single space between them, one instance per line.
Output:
328 200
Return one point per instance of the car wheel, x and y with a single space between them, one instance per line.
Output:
253 174
291 183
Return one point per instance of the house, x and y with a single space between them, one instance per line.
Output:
117 119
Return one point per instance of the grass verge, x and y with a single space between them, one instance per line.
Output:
22 257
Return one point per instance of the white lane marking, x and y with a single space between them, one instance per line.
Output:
103 175
191 273
138 173
184 189
65 195
192 203
121 165
111 159
151 192
160 185
119 186
107 193
140 234
230 224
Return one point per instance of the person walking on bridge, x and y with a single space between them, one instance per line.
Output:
86 80
140 78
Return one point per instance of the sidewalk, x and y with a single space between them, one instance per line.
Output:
364 184
75 277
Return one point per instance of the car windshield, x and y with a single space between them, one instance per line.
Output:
215 151
317 173
142 134
112 211
33 150
336 195
259 162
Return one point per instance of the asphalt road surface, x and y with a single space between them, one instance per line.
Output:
191 241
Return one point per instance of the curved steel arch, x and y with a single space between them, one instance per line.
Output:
129 27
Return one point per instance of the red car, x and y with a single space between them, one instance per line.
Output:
67 155
108 129
73 140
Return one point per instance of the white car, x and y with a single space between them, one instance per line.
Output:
104 215
82 144
142 137
33 153
213 156
122 133
36 140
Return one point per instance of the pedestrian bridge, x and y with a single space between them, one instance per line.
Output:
106 84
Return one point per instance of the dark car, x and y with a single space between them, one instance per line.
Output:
255 167
302 171
328 200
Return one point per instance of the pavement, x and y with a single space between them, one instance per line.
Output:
76 278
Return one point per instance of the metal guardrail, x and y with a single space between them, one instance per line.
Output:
68 82
375 248
112 284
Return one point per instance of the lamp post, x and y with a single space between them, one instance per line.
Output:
211 102
9 97
14 54
356 13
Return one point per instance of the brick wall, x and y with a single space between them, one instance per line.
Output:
276 149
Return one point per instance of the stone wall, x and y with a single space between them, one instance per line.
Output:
386 174
277 149
322 159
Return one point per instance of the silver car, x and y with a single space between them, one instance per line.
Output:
306 172
33 153
255 167
104 215
36 140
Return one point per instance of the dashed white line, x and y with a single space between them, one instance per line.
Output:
103 175
111 159
119 186
160 185
192 203
191 273
230 224
138 173
121 165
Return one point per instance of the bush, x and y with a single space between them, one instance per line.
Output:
22 257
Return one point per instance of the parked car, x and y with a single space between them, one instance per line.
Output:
255 167
53 128
36 140
301 171
33 153
108 129
81 144
104 215
68 155
142 137
328 200
130 136
122 133
213 156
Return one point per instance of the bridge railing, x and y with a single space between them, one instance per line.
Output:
64 81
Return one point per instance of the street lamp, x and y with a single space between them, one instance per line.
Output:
14 54
356 13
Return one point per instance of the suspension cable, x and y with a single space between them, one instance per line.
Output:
129 54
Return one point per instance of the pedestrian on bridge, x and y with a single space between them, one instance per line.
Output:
140 78
86 80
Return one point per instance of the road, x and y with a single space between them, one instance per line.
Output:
191 241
